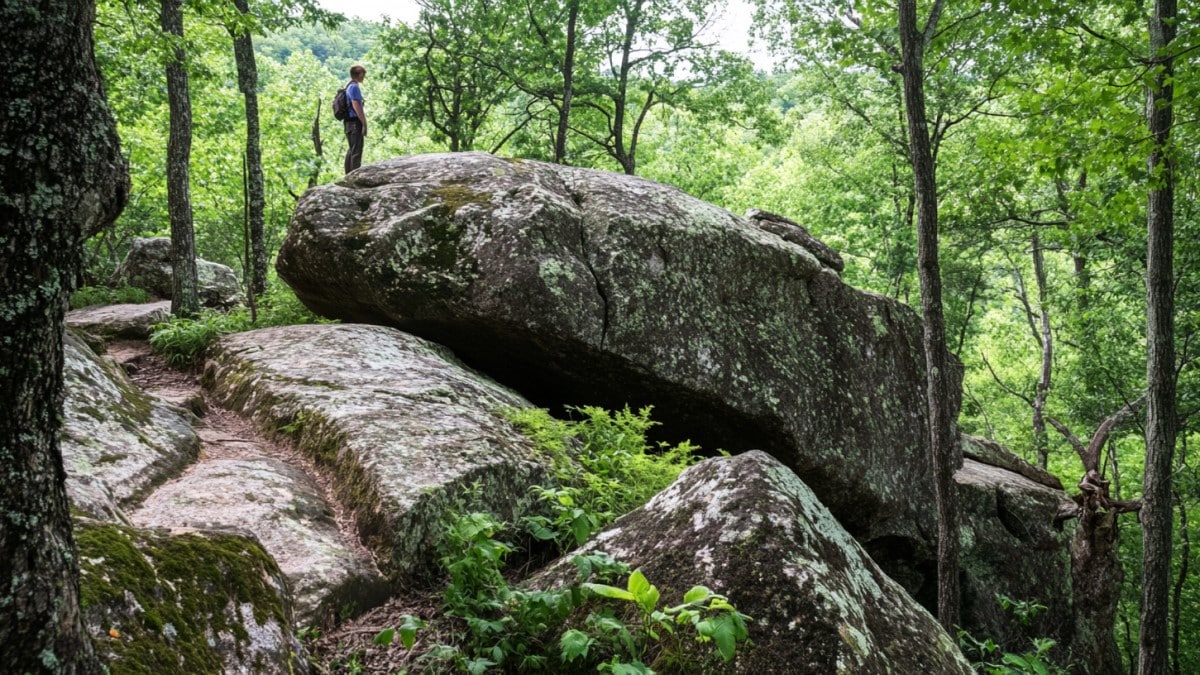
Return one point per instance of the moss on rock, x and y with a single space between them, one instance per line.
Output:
198 602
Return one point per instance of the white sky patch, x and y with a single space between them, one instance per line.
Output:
731 30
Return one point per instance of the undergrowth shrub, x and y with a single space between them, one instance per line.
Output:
603 467
90 296
987 657
184 341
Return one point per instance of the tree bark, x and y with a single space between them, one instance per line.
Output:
62 179
1153 645
1096 574
247 68
941 426
186 299
1041 442
568 75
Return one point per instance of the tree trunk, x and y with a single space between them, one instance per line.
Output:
1040 441
186 300
243 52
1096 585
62 178
1160 358
568 75
1096 574
941 431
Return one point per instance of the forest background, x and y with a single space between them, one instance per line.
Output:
1037 120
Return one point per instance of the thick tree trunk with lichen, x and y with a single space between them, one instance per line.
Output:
61 179
186 298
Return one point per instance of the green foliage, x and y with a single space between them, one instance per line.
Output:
603 467
89 296
183 341
525 630
987 657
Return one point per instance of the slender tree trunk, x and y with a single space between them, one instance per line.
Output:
941 425
1153 645
186 300
62 179
243 52
1041 442
568 75
318 148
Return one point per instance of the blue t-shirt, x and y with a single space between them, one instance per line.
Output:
354 93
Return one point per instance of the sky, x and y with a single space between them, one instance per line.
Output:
732 32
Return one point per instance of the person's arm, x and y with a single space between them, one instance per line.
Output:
358 112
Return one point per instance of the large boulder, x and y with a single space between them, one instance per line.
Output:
1012 545
148 266
184 602
749 528
329 578
117 442
579 286
406 431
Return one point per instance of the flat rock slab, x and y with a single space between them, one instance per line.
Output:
117 442
405 430
131 321
749 528
286 512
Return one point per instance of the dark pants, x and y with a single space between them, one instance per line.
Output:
354 136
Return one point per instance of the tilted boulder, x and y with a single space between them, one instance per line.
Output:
148 266
747 527
328 577
184 602
117 442
131 321
587 287
405 430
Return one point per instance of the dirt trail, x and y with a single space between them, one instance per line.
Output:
226 435
223 433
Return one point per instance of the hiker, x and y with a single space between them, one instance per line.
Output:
356 120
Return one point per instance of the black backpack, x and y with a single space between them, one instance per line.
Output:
341 107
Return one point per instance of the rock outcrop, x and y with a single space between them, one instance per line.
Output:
406 432
583 287
747 527
580 286
117 442
148 267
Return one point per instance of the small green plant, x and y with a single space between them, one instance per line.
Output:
711 616
987 657
407 630
308 634
90 296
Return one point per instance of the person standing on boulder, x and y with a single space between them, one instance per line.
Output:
356 120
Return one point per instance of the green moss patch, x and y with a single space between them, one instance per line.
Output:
158 603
